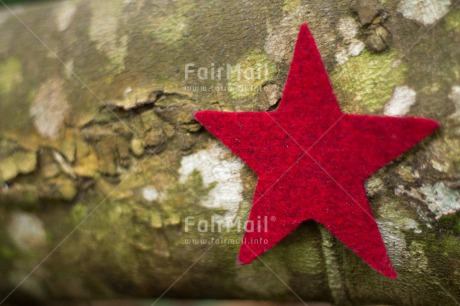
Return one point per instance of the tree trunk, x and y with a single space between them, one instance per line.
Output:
107 180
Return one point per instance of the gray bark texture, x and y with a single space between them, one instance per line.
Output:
101 161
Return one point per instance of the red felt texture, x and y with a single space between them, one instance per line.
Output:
311 160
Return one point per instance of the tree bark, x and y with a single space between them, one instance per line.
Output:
107 180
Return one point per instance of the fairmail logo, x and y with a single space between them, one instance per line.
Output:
215 72
259 224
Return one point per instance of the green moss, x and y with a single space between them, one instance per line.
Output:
10 75
291 5
418 257
254 70
452 21
393 210
450 223
168 27
450 246
7 252
406 173
366 82
304 246
155 220
78 213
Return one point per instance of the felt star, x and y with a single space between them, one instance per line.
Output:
312 159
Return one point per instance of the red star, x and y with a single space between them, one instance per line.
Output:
312 160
